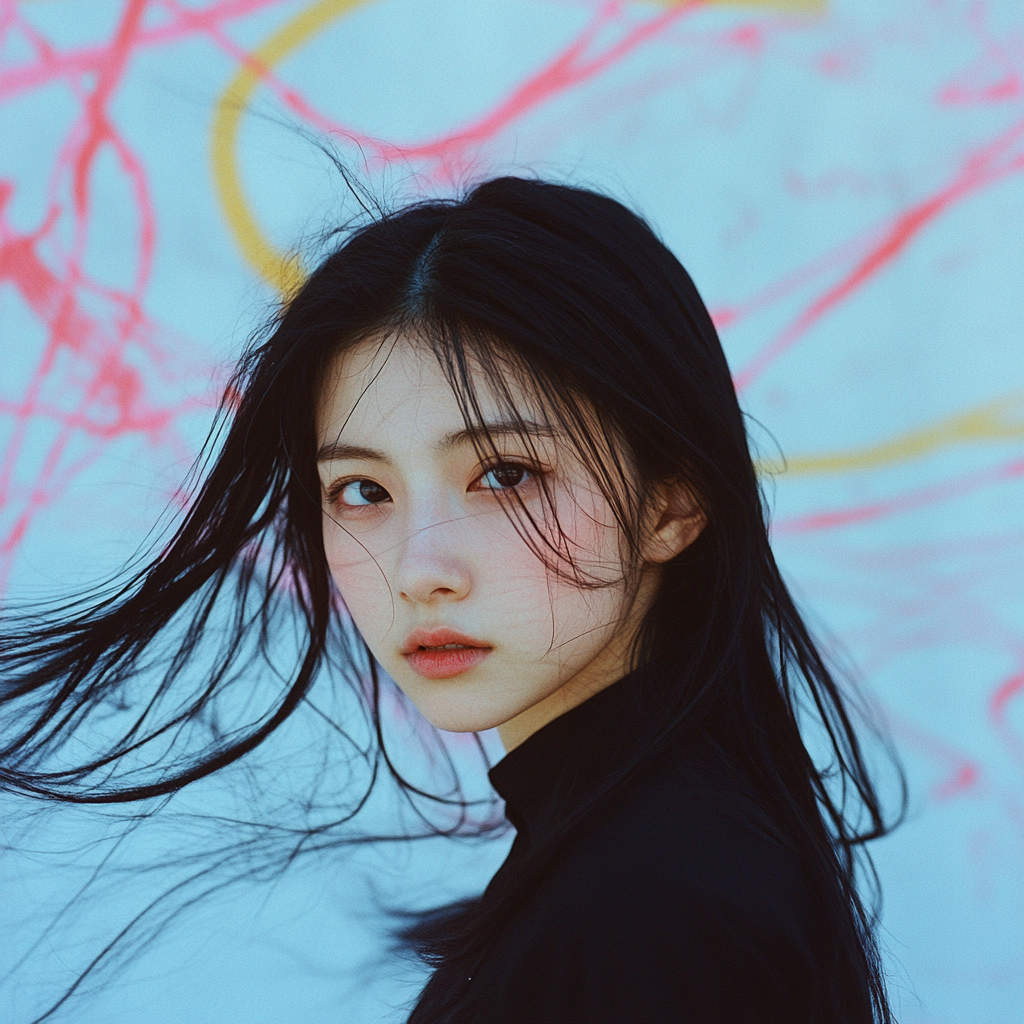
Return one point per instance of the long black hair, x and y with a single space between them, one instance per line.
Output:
576 295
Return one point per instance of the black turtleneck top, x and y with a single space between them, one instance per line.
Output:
671 900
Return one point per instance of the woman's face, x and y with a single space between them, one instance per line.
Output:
464 616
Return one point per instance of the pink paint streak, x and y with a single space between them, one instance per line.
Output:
925 496
986 165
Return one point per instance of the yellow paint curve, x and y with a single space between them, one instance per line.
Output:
1001 419
283 272
998 420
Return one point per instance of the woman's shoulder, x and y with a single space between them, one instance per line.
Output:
673 902
679 839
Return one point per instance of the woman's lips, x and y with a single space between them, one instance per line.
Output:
442 653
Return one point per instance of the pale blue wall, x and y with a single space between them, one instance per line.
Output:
846 185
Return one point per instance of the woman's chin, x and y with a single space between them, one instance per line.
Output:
456 710
461 719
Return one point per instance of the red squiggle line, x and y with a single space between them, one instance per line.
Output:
453 152
109 397
115 393
570 69
1003 695
37 281
963 772
729 315
94 382
977 83
979 171
73 64
998 704
904 503
96 105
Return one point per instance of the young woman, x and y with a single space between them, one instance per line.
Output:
499 437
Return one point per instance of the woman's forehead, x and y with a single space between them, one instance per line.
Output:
398 378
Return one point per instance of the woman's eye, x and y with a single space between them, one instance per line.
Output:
362 492
504 476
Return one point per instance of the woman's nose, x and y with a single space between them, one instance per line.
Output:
432 568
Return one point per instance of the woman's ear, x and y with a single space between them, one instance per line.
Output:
679 520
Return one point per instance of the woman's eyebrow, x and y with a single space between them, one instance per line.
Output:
337 450
484 431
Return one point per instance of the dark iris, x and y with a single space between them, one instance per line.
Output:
374 493
507 475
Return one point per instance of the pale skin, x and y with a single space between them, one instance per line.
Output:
418 538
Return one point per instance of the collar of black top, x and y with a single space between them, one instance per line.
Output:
550 774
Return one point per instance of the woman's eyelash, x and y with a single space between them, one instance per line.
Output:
334 489
500 475
365 492
508 474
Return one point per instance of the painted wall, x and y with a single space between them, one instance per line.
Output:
844 181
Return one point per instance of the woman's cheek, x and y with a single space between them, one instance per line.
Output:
542 616
360 578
